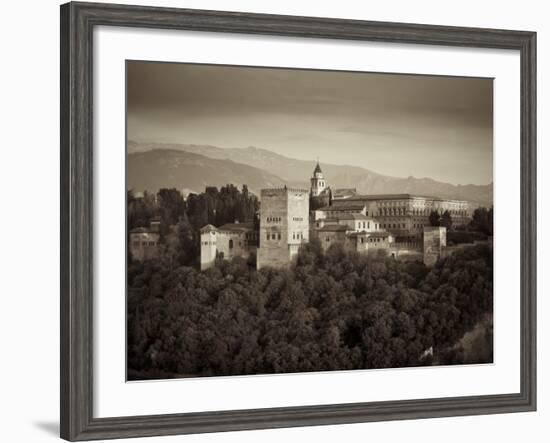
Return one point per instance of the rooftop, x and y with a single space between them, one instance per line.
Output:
342 207
237 227
208 228
345 190
282 190
333 228
378 234
354 217
141 230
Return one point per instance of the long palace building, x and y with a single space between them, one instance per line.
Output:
397 223
403 214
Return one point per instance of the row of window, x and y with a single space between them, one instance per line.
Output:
366 225
407 211
277 236
393 225
279 219
430 202
371 240
136 244
231 244
418 225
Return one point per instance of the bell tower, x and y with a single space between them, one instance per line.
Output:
318 183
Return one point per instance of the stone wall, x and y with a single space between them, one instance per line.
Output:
435 243
144 245
232 244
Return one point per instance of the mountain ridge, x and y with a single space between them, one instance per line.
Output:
277 170
166 168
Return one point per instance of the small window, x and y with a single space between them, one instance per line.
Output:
230 244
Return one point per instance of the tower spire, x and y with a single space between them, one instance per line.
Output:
318 183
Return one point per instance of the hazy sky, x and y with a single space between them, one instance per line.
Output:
399 125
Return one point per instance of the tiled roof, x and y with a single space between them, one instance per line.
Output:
237 227
354 217
377 234
333 228
342 207
208 228
140 230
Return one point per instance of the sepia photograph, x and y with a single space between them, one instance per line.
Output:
284 220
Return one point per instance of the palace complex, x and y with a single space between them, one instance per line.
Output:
396 223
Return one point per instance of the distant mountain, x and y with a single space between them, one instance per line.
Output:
297 172
169 168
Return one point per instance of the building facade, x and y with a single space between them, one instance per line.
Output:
407 214
144 242
226 242
284 225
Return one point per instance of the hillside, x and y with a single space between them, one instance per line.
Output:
297 172
167 168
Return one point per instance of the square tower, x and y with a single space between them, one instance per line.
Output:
284 225
209 250
435 243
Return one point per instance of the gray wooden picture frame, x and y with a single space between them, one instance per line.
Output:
77 24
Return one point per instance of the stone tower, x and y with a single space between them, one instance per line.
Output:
284 225
318 183
435 243
209 248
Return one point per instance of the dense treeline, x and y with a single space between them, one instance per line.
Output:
215 206
480 228
329 311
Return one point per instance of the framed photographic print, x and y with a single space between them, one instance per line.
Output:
274 221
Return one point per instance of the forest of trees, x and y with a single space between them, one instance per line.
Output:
480 227
328 311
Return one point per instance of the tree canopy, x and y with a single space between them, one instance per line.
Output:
329 311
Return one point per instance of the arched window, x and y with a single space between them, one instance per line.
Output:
230 243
